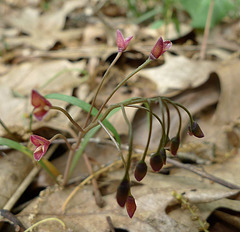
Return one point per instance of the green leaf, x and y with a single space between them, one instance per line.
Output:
17 146
86 107
198 10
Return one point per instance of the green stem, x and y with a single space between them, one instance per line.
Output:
163 139
130 142
100 86
69 117
114 141
180 119
150 130
121 84
168 119
181 106
64 138
6 128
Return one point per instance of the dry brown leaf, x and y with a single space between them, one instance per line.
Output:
43 30
14 167
152 199
179 73
228 107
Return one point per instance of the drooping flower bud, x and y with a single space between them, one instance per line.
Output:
123 192
121 42
195 130
159 48
174 145
156 162
140 170
131 206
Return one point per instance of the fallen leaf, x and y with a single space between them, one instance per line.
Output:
42 29
179 73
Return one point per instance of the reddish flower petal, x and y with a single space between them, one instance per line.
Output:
131 206
38 99
38 154
41 144
159 48
167 44
121 43
39 115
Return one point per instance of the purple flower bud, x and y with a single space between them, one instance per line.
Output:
160 47
174 145
195 130
121 42
140 171
123 192
131 206
156 162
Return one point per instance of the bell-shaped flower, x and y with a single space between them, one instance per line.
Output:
160 47
131 206
174 145
121 42
158 159
41 105
41 144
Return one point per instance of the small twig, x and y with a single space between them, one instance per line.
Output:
203 174
26 182
109 221
114 142
12 219
97 194
18 193
206 30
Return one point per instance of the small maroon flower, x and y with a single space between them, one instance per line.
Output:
41 105
140 171
160 47
123 192
195 130
121 42
41 144
131 206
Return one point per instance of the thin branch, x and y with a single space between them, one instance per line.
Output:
206 30
97 194
203 174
